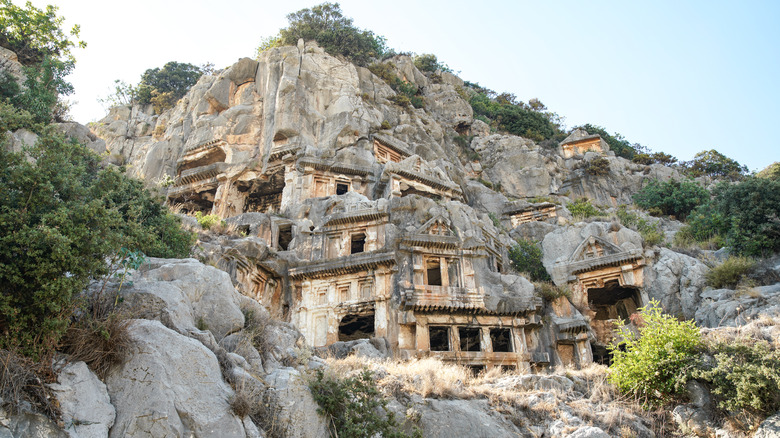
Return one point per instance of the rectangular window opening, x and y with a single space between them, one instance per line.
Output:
342 188
433 268
285 237
358 243
501 339
440 338
469 339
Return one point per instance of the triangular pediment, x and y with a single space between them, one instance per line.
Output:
436 226
592 248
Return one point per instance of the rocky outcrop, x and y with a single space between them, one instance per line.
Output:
86 408
170 385
676 281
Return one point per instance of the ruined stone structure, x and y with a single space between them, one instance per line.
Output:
578 144
355 217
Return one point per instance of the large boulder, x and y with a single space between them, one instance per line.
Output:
171 385
185 295
86 407
676 281
295 408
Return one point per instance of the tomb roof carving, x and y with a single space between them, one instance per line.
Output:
434 298
358 215
514 207
201 173
197 186
581 139
393 143
435 233
211 144
595 252
342 265
334 166
415 168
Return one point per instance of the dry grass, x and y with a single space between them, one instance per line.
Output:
102 343
22 382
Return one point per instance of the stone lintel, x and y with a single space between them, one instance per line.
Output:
342 265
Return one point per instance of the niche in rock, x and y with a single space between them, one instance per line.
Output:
354 327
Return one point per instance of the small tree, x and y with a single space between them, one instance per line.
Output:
654 364
526 257
164 86
672 197
714 164
334 32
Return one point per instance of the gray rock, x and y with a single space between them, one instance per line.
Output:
170 386
676 281
588 432
463 418
295 407
28 425
693 420
86 407
185 295
769 428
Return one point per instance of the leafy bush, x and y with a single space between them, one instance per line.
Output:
163 87
677 198
714 164
427 62
206 221
406 92
355 405
770 172
61 217
746 376
654 364
526 257
515 117
597 167
730 272
550 291
650 231
746 215
334 32
582 208
654 158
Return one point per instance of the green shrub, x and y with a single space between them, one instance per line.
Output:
526 257
654 365
746 376
730 272
355 406
206 221
650 231
385 124
550 291
582 208
334 32
597 167
514 117
61 217
427 62
714 164
496 221
745 214
163 87
677 198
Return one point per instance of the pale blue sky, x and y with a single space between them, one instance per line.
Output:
679 77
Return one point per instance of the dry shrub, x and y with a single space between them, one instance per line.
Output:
256 329
22 382
101 343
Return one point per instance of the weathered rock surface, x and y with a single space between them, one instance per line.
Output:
296 410
769 428
86 407
185 295
726 307
676 281
170 386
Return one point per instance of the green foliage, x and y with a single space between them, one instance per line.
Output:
650 231
123 94
617 143
206 221
406 92
654 158
496 221
355 405
714 164
551 292
746 376
730 272
34 34
61 217
504 112
334 32
770 172
268 43
582 208
746 214
44 50
677 198
163 87
526 257
428 62
13 118
654 364
597 167
385 124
